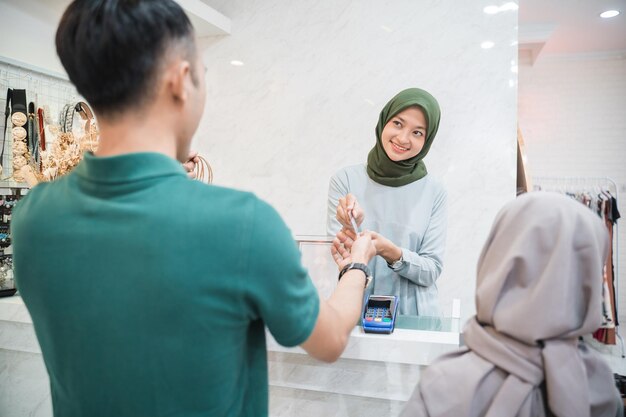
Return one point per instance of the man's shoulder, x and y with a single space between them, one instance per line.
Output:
201 191
44 201
229 202
42 191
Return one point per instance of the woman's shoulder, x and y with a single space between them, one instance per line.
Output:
435 185
434 181
350 172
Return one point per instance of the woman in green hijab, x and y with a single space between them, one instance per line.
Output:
394 197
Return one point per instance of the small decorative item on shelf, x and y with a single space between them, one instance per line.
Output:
16 107
66 146
203 170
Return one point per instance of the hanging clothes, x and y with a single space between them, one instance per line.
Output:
604 204
607 209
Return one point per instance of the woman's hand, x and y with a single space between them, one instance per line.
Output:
348 205
190 165
347 248
386 248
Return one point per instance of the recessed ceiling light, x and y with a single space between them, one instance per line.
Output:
609 13
491 9
487 45
386 28
236 63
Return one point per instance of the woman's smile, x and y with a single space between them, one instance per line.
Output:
399 149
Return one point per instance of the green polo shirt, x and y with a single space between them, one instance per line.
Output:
150 292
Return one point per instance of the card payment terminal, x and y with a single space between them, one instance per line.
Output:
379 314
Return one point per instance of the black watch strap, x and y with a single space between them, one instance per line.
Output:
359 266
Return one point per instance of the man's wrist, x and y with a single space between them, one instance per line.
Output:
359 260
361 267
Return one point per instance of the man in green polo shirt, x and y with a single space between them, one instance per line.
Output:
150 292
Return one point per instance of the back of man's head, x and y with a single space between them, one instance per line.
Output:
113 50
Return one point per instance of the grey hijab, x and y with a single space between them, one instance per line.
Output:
539 287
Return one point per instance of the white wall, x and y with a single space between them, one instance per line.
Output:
307 99
316 75
27 30
572 114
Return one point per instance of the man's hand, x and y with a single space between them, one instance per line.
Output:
190 165
363 248
341 247
347 247
340 313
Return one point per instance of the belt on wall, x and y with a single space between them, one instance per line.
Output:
42 131
16 108
33 142
7 111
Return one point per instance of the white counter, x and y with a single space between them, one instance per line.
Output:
374 376
415 341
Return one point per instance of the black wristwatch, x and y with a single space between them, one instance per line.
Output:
359 266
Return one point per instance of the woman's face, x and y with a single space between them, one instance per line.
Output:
405 134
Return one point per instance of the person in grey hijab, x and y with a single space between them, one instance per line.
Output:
538 289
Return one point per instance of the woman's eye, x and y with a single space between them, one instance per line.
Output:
418 133
397 123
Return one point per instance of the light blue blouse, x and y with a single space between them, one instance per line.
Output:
413 217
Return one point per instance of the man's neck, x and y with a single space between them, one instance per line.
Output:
130 135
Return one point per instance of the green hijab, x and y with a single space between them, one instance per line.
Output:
395 174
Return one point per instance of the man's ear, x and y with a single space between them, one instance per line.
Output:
176 79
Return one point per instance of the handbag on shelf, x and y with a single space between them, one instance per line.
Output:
7 282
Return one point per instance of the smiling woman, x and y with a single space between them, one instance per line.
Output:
405 134
394 197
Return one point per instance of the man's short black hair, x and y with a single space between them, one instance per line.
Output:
112 50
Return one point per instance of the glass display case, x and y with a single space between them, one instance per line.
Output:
376 373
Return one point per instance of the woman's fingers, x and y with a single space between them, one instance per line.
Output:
342 215
357 213
347 207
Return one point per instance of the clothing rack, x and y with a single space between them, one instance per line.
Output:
592 185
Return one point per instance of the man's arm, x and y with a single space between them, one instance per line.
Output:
340 313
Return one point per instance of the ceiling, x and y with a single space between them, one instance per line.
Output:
570 27
206 20
546 27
